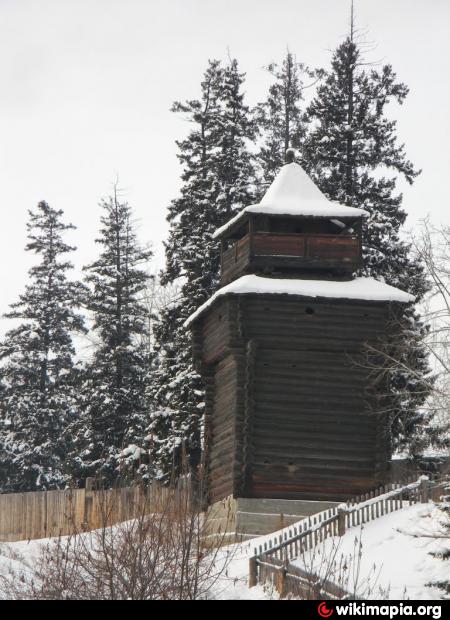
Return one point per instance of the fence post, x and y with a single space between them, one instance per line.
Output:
424 490
434 491
341 521
46 528
252 572
88 503
316 591
280 581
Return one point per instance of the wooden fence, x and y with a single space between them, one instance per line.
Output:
271 561
44 514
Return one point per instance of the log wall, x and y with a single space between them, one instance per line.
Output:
293 412
221 429
294 253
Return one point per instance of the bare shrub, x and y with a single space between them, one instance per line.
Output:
323 572
163 554
396 355
339 574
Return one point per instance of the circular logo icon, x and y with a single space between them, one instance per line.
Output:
324 611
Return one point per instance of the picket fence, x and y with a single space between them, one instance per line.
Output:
271 562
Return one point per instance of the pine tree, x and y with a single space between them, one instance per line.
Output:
115 412
353 154
218 178
39 374
281 117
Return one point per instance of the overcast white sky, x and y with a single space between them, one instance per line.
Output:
86 87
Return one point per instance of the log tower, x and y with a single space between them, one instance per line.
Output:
292 413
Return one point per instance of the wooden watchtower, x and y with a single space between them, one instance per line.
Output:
291 413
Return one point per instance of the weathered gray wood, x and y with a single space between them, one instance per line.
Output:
35 515
424 491
299 508
252 572
306 389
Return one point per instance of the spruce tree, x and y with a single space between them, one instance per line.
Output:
281 117
218 180
353 154
113 395
39 375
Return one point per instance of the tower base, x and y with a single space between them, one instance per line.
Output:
244 518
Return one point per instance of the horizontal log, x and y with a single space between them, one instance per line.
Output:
217 492
272 456
311 396
287 302
310 313
299 383
263 439
310 412
341 491
221 453
316 483
306 336
333 362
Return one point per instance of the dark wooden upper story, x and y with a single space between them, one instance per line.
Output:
293 246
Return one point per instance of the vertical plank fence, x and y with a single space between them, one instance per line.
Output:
45 514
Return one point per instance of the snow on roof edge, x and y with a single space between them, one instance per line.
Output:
362 289
336 212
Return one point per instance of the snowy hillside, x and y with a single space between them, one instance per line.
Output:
396 560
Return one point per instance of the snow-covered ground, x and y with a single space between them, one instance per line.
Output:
395 561
231 561
232 583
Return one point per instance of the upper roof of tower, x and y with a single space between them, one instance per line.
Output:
294 193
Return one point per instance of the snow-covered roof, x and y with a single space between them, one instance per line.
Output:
365 289
294 193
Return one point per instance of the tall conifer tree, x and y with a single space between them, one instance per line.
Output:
353 154
281 117
39 374
217 180
113 396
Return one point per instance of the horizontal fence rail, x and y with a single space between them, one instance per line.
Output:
291 579
271 561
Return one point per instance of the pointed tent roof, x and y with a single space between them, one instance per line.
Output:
294 193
